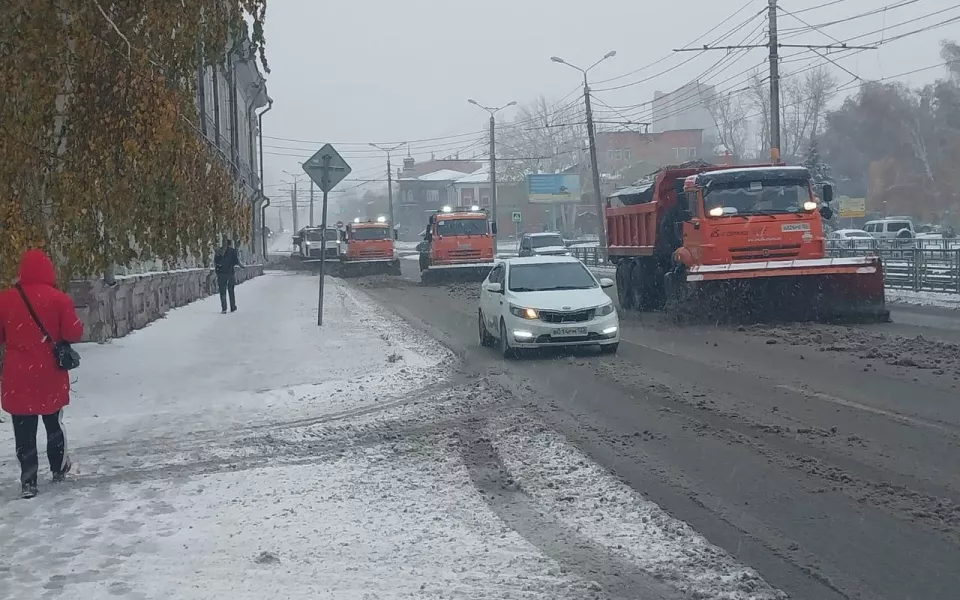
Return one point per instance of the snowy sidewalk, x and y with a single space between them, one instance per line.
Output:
255 456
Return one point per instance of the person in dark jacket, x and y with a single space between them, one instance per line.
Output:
32 385
226 262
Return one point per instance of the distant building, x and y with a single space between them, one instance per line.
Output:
418 194
618 151
686 108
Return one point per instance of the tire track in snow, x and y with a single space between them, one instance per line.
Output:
507 499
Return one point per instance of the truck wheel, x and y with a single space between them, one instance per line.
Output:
623 285
637 287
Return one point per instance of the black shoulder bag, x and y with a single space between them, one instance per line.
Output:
63 353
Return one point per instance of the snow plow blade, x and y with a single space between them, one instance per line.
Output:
471 272
369 267
823 290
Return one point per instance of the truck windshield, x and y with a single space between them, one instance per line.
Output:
767 197
314 235
370 233
454 227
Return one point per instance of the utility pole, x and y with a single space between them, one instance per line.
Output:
293 202
774 45
388 150
493 179
774 84
493 164
311 203
594 166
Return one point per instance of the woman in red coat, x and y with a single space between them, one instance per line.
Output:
32 385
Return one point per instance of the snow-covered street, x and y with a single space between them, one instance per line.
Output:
254 455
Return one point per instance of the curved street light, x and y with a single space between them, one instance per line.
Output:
388 150
591 134
493 162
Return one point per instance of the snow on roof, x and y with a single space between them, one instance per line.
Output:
442 175
478 176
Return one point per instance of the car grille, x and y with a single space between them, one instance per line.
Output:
549 339
765 252
579 316
374 254
465 254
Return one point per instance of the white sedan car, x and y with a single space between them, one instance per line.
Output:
544 301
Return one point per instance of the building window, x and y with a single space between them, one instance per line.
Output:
692 152
676 152
626 154
433 196
485 201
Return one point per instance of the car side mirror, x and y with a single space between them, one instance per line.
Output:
493 288
396 235
826 212
606 282
827 193
493 228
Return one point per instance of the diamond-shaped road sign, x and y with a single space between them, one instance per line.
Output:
326 168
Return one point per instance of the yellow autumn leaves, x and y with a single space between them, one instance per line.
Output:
101 160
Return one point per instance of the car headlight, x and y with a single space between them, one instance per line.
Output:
524 313
605 310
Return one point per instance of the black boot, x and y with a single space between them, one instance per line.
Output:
29 490
59 477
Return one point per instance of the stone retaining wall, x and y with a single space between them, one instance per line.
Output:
135 301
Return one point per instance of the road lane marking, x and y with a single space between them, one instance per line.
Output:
870 409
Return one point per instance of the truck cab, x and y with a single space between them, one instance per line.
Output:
457 237
369 244
749 215
309 244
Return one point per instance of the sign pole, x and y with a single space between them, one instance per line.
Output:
325 179
326 168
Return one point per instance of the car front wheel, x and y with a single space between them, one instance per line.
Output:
505 349
486 340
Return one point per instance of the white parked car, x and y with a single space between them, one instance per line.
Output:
545 301
852 238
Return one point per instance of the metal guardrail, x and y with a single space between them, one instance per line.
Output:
918 265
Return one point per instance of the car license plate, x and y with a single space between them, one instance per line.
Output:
569 331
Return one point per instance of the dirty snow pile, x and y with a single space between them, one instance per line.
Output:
939 357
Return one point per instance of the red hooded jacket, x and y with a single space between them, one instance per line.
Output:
31 383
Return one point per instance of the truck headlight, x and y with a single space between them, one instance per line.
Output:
524 313
605 310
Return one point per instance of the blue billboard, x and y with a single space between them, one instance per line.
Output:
547 188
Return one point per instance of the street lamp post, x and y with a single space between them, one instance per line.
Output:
393 224
493 163
601 225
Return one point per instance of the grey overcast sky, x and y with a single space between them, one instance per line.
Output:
389 70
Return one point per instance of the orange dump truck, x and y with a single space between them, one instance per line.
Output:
457 244
366 248
717 242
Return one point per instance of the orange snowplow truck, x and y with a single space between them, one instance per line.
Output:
368 248
717 242
457 244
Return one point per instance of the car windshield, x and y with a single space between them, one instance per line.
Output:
315 235
758 197
545 241
454 227
544 277
857 234
370 233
